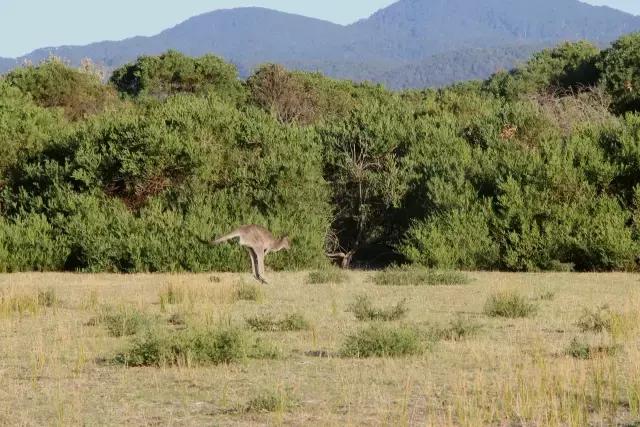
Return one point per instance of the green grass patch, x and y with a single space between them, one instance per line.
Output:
171 295
124 321
248 292
419 277
195 347
579 349
383 341
510 305
457 330
271 401
320 277
267 323
364 310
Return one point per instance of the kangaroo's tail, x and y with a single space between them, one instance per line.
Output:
225 238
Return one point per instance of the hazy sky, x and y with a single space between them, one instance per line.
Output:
26 25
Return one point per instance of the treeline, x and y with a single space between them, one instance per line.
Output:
534 169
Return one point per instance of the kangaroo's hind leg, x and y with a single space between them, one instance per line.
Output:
260 258
254 263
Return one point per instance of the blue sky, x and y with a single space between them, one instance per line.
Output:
26 25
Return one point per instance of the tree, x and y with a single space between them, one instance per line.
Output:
620 67
173 72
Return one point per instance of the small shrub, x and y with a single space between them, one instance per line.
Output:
547 296
417 277
248 292
177 319
270 401
381 341
458 329
510 305
193 347
581 350
364 310
171 295
124 321
598 320
47 298
321 277
266 323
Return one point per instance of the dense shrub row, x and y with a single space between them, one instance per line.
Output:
533 169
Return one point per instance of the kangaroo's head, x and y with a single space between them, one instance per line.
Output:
285 243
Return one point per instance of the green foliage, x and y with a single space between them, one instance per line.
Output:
248 292
383 341
158 347
124 321
270 401
621 74
289 323
419 277
528 171
326 275
173 72
457 329
510 305
79 93
579 349
364 310
569 66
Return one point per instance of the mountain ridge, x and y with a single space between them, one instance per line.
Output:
408 44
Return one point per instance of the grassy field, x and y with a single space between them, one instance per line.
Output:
500 349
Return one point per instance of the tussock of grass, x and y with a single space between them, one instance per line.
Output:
270 401
383 341
248 292
171 295
124 321
603 319
26 303
598 320
326 276
547 296
419 277
290 323
363 309
509 304
159 347
581 350
47 298
458 329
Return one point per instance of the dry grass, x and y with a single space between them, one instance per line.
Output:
56 368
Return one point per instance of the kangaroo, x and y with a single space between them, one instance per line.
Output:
259 242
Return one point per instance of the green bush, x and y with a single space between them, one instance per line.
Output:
124 321
382 341
620 73
173 72
364 310
510 305
79 93
157 347
326 276
289 323
581 350
419 277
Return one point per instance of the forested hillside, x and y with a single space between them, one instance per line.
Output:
410 44
533 169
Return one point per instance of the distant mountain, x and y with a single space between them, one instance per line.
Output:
6 64
412 43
